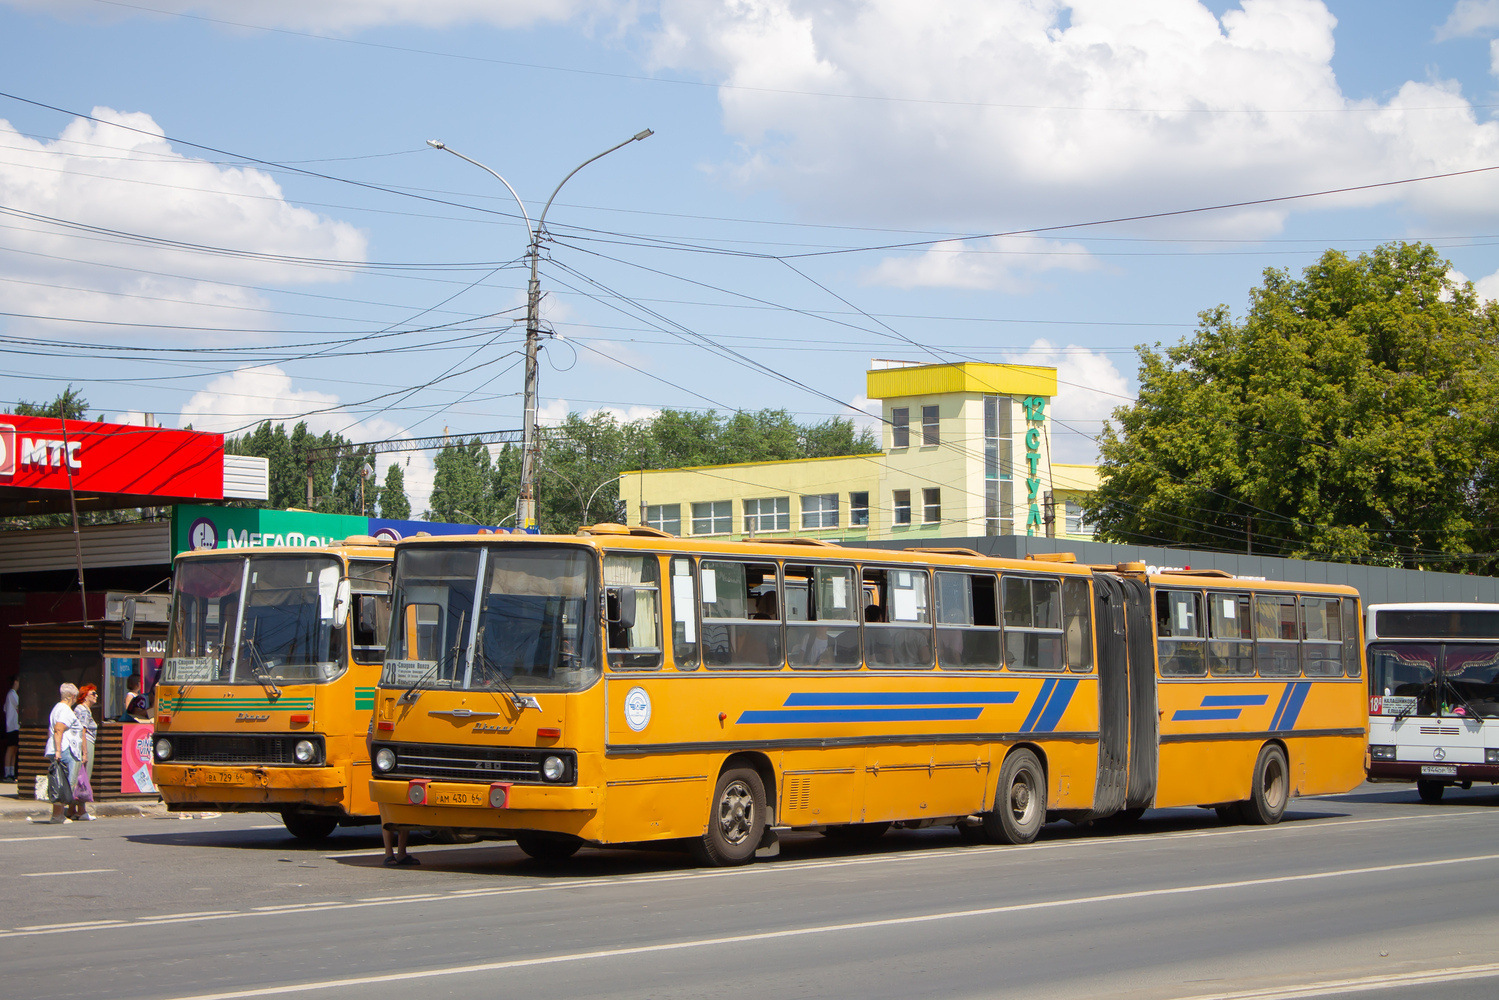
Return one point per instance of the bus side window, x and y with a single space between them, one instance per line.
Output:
899 633
733 594
1230 635
632 610
422 637
822 617
370 615
1322 637
968 635
1077 613
1033 623
1277 652
1178 625
683 614
1353 650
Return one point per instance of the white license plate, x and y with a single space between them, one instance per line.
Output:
1438 770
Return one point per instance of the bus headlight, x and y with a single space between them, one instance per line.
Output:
305 751
163 749
385 759
553 768
1378 752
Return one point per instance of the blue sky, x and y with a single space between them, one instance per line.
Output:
269 236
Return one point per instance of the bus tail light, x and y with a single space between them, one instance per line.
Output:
1378 752
416 791
301 720
386 727
499 794
549 734
163 720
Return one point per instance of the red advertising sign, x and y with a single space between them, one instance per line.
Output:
135 758
35 453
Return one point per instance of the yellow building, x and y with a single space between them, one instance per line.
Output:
965 451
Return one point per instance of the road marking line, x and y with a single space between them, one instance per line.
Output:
770 870
180 916
17 840
1363 984
51 928
839 928
76 871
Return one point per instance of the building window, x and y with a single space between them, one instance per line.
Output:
931 506
1076 523
713 518
902 506
930 426
999 460
820 511
767 514
858 510
900 427
665 517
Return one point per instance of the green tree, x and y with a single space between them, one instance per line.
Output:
69 405
1348 416
462 489
393 502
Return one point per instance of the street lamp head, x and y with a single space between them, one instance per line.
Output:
435 144
643 135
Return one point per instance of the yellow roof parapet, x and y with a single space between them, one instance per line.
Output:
967 376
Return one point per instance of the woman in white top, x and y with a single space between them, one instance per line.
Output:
65 741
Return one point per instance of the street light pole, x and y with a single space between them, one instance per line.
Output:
525 505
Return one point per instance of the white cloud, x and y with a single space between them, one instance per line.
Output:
1008 263
1470 17
349 15
1486 288
120 176
554 412
251 396
997 114
1089 389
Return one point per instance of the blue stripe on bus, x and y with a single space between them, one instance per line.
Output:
803 715
807 699
1039 706
1234 700
1204 714
1061 696
1295 698
1280 709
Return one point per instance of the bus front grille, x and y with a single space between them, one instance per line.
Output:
441 762
213 748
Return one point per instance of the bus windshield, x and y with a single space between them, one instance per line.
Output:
493 618
255 620
1437 678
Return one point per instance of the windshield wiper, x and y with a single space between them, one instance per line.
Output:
257 666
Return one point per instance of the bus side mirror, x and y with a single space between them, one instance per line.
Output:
127 622
621 607
341 603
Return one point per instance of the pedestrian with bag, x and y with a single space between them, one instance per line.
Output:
83 788
64 752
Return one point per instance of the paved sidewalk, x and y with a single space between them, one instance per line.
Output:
13 807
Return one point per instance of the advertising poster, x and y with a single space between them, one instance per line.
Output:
135 759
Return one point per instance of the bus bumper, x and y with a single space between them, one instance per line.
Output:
231 788
1390 770
466 806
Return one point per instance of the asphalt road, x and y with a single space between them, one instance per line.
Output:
1370 894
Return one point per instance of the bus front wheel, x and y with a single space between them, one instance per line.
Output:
309 827
547 848
1430 791
1019 801
1271 791
736 820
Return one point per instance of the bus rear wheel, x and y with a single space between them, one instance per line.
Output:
1019 801
1430 791
550 849
736 820
309 827
1271 791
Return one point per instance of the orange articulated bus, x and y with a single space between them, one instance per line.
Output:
624 686
268 685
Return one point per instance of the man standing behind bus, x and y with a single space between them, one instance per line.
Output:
12 742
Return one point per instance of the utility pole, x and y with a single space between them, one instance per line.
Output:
525 504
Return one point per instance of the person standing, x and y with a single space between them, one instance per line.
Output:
394 842
12 742
137 708
64 743
83 788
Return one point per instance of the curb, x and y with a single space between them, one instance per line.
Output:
22 811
